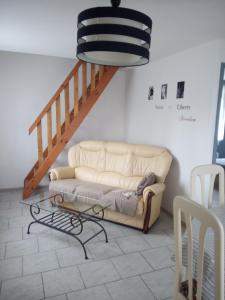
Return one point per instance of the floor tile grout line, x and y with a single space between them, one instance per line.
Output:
18 277
119 247
0 287
45 271
147 286
107 290
90 259
105 282
22 265
79 271
63 294
116 268
134 251
74 291
101 284
43 287
38 245
57 258
32 253
147 260
4 250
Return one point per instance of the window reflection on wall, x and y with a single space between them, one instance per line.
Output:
220 134
219 144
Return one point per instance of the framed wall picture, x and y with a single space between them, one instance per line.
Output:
164 91
180 89
151 93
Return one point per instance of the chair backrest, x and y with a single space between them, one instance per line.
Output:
192 210
203 173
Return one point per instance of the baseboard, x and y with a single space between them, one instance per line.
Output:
40 187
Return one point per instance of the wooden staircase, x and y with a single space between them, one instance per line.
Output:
87 82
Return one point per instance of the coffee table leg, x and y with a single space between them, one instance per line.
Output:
82 244
28 229
106 237
85 252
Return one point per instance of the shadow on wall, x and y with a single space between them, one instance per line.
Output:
173 186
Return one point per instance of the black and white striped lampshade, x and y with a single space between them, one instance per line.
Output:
114 36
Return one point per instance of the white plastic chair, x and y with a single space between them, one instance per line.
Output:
203 172
207 220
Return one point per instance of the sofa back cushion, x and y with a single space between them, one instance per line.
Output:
117 164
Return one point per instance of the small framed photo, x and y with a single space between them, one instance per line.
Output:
151 93
164 91
180 89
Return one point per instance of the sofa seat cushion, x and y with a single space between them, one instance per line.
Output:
120 200
93 190
64 185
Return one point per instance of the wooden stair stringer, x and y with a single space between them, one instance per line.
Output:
38 172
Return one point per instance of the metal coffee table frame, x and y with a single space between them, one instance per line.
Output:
70 222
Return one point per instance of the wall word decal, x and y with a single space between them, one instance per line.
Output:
187 119
159 107
164 91
183 107
151 93
180 89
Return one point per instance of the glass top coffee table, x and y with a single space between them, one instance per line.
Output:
47 209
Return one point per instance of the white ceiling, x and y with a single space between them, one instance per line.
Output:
48 27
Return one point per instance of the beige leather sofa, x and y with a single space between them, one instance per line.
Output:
120 165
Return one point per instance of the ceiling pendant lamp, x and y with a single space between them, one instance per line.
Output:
114 36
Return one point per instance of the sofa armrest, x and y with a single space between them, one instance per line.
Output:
152 197
156 189
61 173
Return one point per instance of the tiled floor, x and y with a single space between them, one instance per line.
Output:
50 265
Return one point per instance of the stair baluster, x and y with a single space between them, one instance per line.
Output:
67 106
49 124
91 90
58 119
76 95
84 82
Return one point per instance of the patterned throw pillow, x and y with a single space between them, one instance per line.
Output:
146 181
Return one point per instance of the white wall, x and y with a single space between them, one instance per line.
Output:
190 142
26 84
222 50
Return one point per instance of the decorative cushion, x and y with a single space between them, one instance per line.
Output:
146 181
92 190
